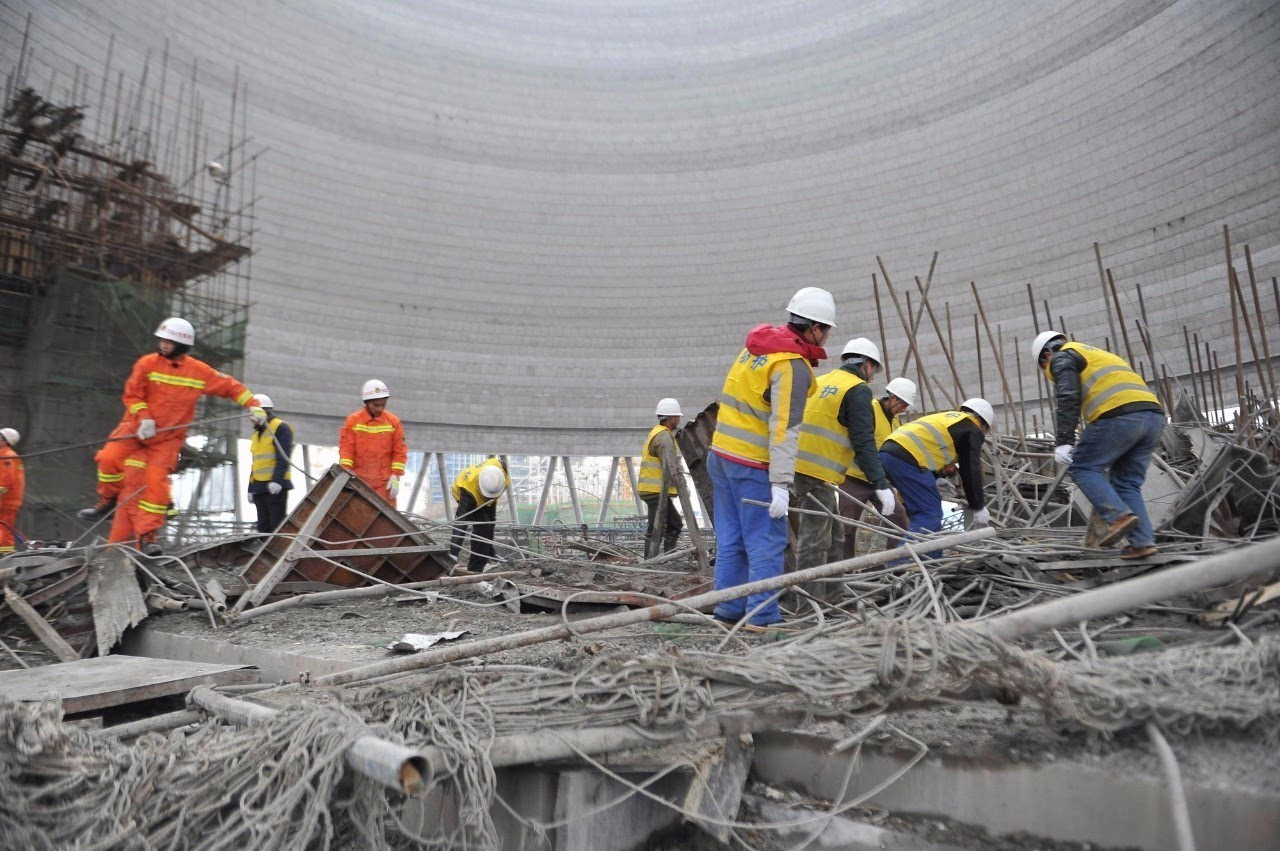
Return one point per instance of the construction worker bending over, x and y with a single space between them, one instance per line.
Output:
270 480
1123 421
160 403
899 396
839 431
371 442
476 490
13 485
916 454
649 482
753 450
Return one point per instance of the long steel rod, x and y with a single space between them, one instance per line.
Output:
501 643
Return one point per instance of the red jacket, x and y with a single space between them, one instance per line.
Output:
374 449
13 479
167 391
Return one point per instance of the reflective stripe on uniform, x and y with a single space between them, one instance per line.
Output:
137 406
742 427
244 397
176 380
761 440
110 477
824 450
1106 382
649 480
916 437
133 462
152 508
262 446
397 467
373 429
346 462
834 467
744 408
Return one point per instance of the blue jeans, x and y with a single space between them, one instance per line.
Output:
1124 444
919 490
749 543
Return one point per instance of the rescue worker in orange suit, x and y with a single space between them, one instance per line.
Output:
477 489
160 399
270 480
13 484
130 521
371 442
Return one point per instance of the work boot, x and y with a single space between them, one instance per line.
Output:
148 546
1118 529
102 509
1131 552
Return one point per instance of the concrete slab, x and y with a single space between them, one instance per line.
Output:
104 681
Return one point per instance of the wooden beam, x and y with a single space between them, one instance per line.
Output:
41 627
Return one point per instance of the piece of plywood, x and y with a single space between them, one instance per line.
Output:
88 684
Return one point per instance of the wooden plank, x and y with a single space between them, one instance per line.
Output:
88 684
41 627
1228 607
1116 561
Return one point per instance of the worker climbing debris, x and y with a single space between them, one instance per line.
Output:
271 475
649 481
753 450
13 485
371 442
917 453
839 432
1123 421
160 399
476 490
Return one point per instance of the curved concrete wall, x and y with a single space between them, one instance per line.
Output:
532 220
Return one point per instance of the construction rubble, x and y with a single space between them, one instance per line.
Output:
428 707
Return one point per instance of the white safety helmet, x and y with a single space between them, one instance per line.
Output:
861 347
982 408
178 330
1043 339
264 401
904 389
374 389
814 304
668 408
492 481
10 436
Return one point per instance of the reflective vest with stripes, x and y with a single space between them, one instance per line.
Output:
263 447
929 440
650 479
824 451
469 480
1106 382
884 428
742 424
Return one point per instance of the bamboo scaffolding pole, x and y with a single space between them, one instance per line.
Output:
1111 322
902 319
1263 333
1267 390
999 359
1115 297
1235 316
915 321
884 345
942 341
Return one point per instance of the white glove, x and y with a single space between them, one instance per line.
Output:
146 429
258 416
1062 454
274 488
393 486
778 502
887 502
982 517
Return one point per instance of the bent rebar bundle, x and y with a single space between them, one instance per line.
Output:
276 784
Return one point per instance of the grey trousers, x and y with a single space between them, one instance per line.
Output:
819 539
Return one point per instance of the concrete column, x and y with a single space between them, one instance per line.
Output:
444 486
608 490
546 491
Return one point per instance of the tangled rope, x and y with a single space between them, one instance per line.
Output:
276 785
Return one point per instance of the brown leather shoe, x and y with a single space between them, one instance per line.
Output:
1139 552
1118 529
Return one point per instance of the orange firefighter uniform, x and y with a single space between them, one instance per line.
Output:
164 390
13 484
130 520
373 448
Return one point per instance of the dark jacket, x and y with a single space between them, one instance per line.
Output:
1068 395
968 437
284 439
857 416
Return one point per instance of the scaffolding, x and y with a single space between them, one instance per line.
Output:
113 216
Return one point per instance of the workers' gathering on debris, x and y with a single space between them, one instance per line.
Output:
788 442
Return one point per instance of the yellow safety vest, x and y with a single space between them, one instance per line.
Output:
650 478
884 427
824 451
929 440
742 424
1107 382
263 447
469 480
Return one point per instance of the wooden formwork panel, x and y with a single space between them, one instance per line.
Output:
340 517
